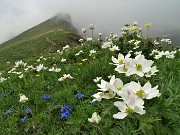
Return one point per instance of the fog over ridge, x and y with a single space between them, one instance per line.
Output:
108 15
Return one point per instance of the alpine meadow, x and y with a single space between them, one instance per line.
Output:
57 82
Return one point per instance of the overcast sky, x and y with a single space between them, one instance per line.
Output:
17 16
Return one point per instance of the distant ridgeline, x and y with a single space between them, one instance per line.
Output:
65 19
33 42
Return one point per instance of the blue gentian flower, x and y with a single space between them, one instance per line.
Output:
27 111
2 95
45 97
67 107
65 115
79 95
23 119
8 111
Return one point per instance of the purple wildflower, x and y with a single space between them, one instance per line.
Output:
47 97
79 95
27 111
23 119
8 111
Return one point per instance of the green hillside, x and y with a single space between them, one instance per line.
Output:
126 85
44 38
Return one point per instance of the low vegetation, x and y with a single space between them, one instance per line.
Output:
122 85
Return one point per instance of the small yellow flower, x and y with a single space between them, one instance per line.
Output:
133 28
54 65
37 75
147 25
84 60
79 63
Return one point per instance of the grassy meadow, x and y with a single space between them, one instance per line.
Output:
53 93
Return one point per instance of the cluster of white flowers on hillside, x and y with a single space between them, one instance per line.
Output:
65 76
168 54
132 94
109 44
137 66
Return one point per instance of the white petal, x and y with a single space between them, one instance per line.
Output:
118 83
121 105
120 56
139 101
152 94
114 60
147 87
112 79
139 110
120 115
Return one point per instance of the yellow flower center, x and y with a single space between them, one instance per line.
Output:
125 69
101 94
139 67
129 110
121 61
110 95
140 93
150 72
120 88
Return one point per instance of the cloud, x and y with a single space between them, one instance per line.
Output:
108 15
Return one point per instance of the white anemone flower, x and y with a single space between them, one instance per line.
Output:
103 86
121 59
151 72
63 60
107 44
97 79
91 52
65 76
40 67
116 85
145 92
129 107
66 47
125 67
100 95
140 65
95 118
54 69
23 98
114 48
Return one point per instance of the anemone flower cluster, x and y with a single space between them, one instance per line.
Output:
54 69
168 54
137 66
40 67
132 95
65 76
109 44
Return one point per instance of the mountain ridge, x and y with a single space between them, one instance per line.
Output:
32 42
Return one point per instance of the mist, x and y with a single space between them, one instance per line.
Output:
108 16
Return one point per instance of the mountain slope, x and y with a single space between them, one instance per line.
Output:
44 38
